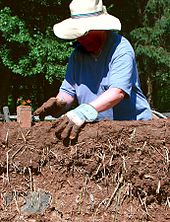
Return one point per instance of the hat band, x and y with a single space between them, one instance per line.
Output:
87 15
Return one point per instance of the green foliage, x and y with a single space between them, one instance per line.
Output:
153 49
12 28
31 54
155 11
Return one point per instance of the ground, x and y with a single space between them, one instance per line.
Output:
115 172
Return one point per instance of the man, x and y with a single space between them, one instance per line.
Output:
101 74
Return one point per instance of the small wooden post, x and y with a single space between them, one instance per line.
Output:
24 116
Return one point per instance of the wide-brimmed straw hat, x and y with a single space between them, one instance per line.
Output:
86 15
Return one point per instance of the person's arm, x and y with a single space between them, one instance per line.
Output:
55 106
65 97
70 124
108 99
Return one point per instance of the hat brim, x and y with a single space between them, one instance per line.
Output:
74 28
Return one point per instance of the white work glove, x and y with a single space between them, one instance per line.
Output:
69 125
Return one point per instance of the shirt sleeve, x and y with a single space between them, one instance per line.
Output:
68 85
121 72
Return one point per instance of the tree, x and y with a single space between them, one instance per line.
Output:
28 46
153 52
28 55
130 13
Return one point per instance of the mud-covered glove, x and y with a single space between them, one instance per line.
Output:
69 125
53 107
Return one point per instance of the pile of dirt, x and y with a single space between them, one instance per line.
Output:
116 171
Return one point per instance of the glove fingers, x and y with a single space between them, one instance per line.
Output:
60 125
66 132
49 107
74 132
58 122
46 108
38 111
41 111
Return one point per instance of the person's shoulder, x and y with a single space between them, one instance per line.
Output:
121 39
122 43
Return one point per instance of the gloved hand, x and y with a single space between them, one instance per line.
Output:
53 107
69 124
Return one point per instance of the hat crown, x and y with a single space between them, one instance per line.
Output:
85 6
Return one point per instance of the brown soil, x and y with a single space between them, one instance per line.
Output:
117 171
